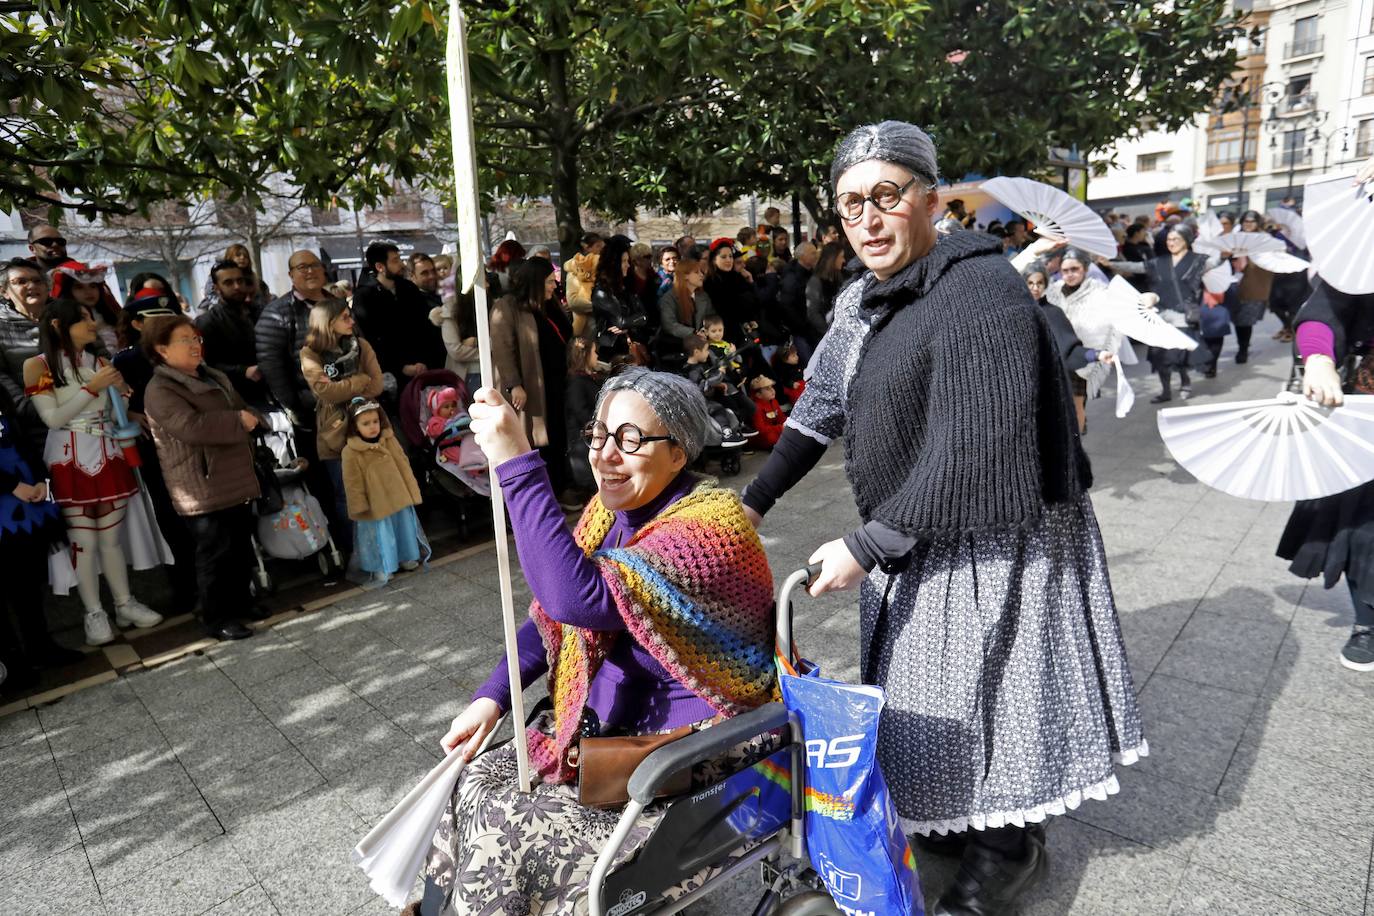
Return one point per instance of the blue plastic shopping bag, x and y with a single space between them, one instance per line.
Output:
852 832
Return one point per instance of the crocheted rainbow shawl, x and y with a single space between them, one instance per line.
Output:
694 588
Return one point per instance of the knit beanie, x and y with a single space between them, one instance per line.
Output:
438 397
890 141
679 404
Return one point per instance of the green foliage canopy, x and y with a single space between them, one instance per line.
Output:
617 105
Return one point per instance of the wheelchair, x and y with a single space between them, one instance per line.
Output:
754 817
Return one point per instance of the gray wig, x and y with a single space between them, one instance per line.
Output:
890 141
679 404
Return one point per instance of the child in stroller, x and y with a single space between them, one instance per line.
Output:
445 428
435 424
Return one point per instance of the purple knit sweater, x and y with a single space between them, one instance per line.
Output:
631 689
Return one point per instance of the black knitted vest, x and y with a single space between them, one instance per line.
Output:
959 417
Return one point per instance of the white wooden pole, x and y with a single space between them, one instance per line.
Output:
472 276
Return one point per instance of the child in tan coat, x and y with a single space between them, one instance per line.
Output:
382 496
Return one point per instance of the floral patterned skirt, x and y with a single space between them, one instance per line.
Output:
501 852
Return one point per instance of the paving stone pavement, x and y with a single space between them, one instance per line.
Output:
236 781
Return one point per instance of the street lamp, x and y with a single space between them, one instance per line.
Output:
1238 97
1296 123
1345 133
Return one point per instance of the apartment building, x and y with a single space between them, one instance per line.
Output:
1301 104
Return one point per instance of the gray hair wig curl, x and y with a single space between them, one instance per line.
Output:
890 141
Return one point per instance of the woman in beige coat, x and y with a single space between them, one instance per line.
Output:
338 366
529 350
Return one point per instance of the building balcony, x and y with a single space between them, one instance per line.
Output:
1306 47
1292 159
1295 104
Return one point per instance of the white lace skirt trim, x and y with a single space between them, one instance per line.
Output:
1035 815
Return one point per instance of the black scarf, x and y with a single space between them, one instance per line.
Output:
959 417
343 362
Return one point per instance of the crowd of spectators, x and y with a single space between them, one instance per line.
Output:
739 316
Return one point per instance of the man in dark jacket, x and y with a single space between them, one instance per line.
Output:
280 334
791 312
279 337
394 317
229 341
23 296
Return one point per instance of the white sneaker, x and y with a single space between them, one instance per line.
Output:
98 630
135 613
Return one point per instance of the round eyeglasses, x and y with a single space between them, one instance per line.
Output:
628 437
886 195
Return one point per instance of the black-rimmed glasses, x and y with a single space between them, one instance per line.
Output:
628 437
886 195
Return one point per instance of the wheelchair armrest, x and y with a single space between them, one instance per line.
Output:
700 746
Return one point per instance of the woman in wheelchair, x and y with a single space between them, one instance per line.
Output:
654 613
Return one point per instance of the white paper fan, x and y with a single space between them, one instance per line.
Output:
1291 223
1125 394
1241 244
1339 219
1125 353
1141 322
1219 278
1055 214
1209 226
1279 262
393 852
1276 450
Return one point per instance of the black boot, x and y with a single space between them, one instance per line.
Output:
990 880
1166 384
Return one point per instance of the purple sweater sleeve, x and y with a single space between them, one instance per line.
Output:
533 663
1315 339
567 584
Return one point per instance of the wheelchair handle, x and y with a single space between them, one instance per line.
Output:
783 613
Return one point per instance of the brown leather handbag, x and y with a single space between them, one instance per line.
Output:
604 766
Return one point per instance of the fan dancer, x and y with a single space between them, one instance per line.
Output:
1335 534
1255 288
1176 279
1080 296
91 482
1071 351
985 610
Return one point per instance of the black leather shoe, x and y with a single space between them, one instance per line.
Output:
257 612
1243 356
989 883
232 630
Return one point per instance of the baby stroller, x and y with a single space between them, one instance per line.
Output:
754 817
466 492
725 439
291 524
